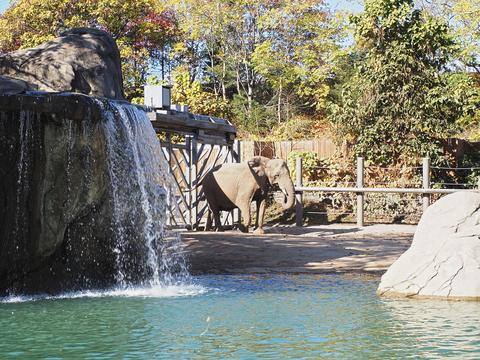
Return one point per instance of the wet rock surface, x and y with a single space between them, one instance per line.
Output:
52 166
81 60
82 191
81 203
444 258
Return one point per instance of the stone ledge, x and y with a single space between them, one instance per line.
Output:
72 106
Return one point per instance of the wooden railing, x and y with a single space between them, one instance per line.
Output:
360 190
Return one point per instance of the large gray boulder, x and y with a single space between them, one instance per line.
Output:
444 258
81 60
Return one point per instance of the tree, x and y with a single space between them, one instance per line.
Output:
463 16
297 53
399 103
218 41
192 94
141 28
268 58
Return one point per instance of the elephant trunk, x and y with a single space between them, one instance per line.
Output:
289 192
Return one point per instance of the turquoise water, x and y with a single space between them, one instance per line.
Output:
240 317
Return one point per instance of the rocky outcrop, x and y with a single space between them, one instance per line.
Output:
444 258
82 182
82 202
54 179
10 86
81 60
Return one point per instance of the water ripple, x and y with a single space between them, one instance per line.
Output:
241 317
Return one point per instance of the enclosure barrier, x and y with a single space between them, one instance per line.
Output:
360 190
192 144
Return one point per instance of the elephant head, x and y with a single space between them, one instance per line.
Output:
276 172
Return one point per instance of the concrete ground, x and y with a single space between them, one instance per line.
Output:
338 248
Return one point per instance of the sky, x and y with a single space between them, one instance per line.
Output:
353 5
3 5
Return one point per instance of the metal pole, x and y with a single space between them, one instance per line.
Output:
360 195
298 195
426 182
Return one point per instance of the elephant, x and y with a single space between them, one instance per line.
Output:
236 185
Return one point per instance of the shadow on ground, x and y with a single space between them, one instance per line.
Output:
327 249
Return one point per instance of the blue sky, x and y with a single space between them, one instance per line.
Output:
3 5
354 5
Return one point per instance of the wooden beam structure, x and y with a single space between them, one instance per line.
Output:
206 129
206 142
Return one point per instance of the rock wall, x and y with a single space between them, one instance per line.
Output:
52 165
444 258
82 191
82 203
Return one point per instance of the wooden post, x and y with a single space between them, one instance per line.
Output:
298 194
171 197
426 182
194 178
360 195
188 170
236 157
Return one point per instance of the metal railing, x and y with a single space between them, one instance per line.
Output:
360 190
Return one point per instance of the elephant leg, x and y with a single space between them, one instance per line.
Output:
257 203
218 223
245 212
208 226
261 205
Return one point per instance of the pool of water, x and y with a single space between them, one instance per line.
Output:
240 317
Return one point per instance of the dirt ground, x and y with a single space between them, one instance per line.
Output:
339 248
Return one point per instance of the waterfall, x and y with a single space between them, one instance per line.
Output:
23 168
85 188
140 190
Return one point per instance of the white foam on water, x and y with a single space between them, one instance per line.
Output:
16 299
169 291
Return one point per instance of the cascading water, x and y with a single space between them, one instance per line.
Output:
86 188
140 191
83 184
25 133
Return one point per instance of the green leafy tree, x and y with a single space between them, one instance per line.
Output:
296 56
463 16
399 104
270 59
192 94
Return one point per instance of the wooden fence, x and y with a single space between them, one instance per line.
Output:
192 145
326 147
188 162
323 147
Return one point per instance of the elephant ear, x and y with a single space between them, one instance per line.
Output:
257 164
